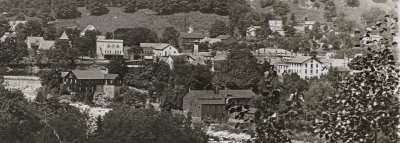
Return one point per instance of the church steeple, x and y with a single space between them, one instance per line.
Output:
64 36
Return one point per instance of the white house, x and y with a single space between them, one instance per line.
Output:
13 24
89 27
370 39
38 43
251 31
276 26
306 67
162 49
107 48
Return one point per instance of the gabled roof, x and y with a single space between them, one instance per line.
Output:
46 45
301 59
87 74
64 36
205 97
224 37
271 51
237 93
185 35
156 46
39 41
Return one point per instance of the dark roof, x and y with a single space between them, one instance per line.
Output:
238 93
210 97
185 35
205 97
343 69
86 74
301 59
224 37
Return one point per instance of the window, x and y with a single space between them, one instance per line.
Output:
316 65
305 65
311 66
316 71
311 72
305 71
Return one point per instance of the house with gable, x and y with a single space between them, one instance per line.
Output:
251 32
161 49
211 104
189 38
276 26
79 81
109 48
306 67
14 24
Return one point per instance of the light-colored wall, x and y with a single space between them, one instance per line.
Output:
168 51
22 81
116 48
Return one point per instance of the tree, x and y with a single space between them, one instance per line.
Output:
4 26
67 9
239 71
49 32
266 3
373 15
315 32
289 31
135 36
281 8
63 52
117 66
131 7
218 28
45 14
7 52
170 35
33 28
146 125
353 3
20 16
366 108
293 19
201 77
330 10
97 8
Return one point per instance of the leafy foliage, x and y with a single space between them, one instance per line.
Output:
366 106
97 8
135 36
170 35
218 28
146 125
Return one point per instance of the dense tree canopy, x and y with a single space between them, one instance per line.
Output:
239 71
147 125
170 35
218 28
97 8
135 36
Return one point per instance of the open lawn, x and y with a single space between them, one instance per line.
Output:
142 18
304 9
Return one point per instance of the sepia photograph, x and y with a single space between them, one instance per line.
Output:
199 71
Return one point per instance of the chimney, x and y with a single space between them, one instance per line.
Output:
196 48
216 89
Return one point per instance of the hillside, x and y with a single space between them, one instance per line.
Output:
142 18
304 8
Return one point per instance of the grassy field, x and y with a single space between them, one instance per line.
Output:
302 9
142 18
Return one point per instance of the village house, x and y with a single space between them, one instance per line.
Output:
211 104
276 26
371 39
199 57
38 44
160 49
80 81
304 66
210 40
87 28
109 48
8 35
189 38
251 32
14 24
